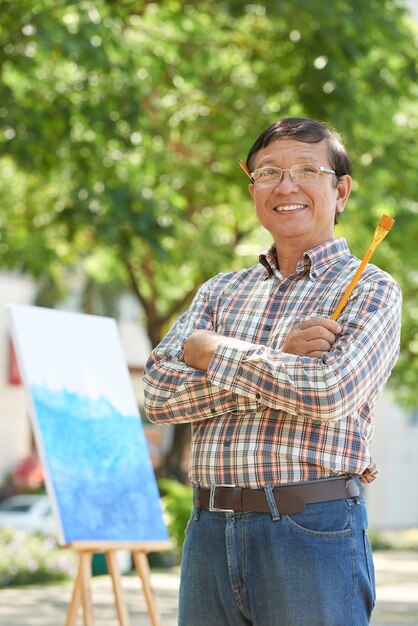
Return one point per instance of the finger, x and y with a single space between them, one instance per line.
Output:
318 345
317 354
202 332
317 332
323 322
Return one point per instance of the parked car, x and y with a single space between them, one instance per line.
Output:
28 512
34 513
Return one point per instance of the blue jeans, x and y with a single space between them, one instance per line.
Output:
310 569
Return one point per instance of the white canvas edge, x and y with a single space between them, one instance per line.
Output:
33 417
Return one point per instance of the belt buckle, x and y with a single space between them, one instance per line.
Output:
212 500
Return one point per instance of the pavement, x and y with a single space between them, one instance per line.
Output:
396 579
397 588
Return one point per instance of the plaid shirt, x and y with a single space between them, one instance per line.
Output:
260 416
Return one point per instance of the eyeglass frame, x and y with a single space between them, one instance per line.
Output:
321 170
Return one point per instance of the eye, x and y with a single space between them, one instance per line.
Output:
266 172
306 170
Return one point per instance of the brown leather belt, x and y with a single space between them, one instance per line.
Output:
290 499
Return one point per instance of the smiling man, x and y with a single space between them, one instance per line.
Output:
280 399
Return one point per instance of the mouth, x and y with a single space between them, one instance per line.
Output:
289 208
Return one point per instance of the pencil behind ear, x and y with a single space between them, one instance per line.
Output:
245 168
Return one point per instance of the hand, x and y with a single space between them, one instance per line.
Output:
201 344
312 338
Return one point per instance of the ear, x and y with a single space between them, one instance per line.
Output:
343 191
251 190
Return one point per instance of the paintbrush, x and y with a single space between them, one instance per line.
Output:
245 168
380 233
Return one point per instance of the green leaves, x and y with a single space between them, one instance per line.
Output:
121 126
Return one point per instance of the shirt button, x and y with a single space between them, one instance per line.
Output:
213 410
282 288
257 395
227 443
268 327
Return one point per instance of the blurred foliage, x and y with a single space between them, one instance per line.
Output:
28 559
177 501
121 124
406 539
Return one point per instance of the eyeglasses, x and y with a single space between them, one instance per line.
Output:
303 173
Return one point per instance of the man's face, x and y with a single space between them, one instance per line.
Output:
300 215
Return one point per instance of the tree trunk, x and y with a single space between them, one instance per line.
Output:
174 463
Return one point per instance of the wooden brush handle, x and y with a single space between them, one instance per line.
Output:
380 233
352 284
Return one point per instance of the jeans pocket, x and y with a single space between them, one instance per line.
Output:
369 563
325 519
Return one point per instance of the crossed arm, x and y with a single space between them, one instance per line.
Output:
317 373
311 338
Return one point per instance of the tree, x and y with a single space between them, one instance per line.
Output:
122 124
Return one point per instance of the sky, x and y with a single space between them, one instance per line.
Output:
414 7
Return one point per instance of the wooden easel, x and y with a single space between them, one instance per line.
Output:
81 595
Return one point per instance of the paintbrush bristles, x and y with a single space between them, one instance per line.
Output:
386 222
382 230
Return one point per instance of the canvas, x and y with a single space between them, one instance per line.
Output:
87 426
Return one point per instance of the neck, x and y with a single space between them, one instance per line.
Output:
286 264
288 254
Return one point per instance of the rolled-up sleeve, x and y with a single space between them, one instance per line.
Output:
175 392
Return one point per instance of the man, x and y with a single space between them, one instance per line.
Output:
280 399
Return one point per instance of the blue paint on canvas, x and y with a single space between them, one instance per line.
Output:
100 467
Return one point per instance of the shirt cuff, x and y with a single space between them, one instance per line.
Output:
226 371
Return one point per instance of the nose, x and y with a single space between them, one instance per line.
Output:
286 185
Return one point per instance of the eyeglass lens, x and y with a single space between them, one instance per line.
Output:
298 173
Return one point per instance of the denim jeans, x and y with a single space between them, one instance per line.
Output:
310 569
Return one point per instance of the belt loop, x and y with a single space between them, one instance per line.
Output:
196 497
357 497
195 513
275 515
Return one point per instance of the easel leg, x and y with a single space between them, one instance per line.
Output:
113 569
81 592
75 603
85 564
142 567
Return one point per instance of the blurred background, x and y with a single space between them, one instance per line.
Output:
121 126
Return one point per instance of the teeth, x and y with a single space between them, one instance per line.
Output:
289 207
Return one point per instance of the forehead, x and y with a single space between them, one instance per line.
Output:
284 151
